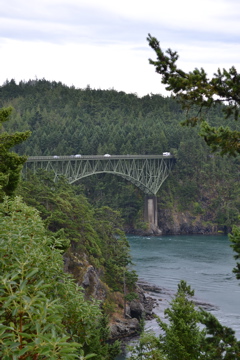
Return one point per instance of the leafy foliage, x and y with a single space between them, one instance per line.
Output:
148 347
235 239
43 312
197 93
10 162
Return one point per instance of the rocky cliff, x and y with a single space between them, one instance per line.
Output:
89 278
175 222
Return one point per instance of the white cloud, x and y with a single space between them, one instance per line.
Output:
115 67
103 43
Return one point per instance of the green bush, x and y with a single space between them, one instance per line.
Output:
43 312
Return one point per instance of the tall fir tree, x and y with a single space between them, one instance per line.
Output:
10 163
197 94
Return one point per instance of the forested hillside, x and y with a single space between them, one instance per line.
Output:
201 195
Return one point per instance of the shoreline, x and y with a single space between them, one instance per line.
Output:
158 299
151 303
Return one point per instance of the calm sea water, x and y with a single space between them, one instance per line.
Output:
205 262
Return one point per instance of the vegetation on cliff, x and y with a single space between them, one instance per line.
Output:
44 312
94 233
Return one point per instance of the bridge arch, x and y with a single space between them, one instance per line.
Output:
135 182
148 172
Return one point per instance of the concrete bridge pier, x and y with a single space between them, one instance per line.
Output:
151 214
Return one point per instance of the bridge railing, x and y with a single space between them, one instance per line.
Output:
95 157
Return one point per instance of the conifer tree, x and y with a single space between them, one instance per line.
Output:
220 342
197 94
182 337
190 334
235 239
10 162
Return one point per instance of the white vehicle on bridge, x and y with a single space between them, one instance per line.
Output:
107 155
166 154
78 155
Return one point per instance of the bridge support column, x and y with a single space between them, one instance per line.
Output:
151 213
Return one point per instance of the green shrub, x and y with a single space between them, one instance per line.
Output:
43 312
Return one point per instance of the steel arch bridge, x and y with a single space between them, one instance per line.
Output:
148 172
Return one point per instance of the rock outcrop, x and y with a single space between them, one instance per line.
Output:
183 223
121 325
136 310
121 328
85 275
173 222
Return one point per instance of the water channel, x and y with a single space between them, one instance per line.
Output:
205 262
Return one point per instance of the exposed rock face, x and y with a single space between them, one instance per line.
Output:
121 328
173 222
153 230
92 284
141 308
148 302
136 309
86 275
89 279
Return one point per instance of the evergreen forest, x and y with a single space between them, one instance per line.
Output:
66 121
56 236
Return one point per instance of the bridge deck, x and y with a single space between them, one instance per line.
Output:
96 157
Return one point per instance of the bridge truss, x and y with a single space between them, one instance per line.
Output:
148 172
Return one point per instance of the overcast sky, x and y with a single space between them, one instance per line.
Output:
102 43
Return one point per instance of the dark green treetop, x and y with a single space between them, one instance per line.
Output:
182 337
197 94
190 333
235 239
10 162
